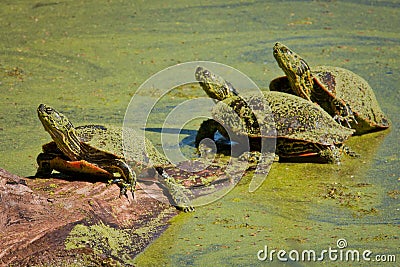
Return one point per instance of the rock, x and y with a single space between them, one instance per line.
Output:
48 221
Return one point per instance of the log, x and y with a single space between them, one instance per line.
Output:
61 221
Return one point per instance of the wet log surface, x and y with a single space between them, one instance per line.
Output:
38 215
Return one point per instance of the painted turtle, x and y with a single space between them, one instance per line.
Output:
97 150
303 130
347 97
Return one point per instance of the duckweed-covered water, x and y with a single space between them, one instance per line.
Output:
87 58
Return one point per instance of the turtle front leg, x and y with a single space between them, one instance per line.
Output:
205 142
344 113
207 129
128 177
44 160
331 154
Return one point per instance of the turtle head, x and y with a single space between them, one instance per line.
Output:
296 69
215 86
61 130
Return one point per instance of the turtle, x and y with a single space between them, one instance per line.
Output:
303 131
97 151
346 96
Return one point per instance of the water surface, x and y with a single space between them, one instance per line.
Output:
87 58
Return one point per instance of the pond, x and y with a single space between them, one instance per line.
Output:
88 58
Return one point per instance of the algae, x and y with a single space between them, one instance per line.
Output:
102 239
87 58
118 245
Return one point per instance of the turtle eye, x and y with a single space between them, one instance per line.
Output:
49 110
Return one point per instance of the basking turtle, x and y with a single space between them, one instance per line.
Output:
97 150
347 97
303 130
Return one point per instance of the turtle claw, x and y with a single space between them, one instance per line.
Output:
345 114
186 209
124 187
347 120
123 192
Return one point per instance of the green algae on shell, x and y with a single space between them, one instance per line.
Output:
346 96
301 128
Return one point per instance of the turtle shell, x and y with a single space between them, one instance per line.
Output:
108 141
338 84
298 125
336 87
100 145
142 155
